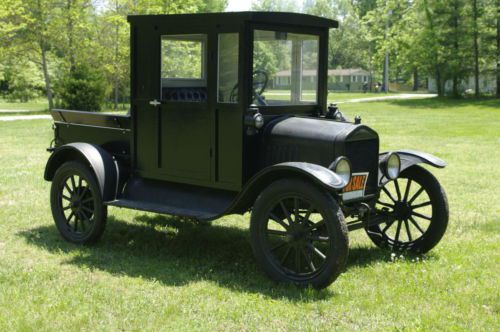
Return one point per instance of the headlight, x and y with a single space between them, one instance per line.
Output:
391 165
342 167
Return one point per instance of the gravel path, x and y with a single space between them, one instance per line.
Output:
359 100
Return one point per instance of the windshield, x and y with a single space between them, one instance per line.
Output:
285 68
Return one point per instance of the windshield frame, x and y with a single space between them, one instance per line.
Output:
321 90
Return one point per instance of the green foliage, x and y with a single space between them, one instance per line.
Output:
21 81
82 89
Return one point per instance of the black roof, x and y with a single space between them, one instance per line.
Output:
237 17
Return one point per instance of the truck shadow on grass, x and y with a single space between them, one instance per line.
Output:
177 252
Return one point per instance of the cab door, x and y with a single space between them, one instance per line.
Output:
185 120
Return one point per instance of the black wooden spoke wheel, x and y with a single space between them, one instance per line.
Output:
76 202
298 234
417 212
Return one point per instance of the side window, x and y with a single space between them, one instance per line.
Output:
227 75
183 68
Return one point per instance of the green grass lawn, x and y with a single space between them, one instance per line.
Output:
332 96
158 273
31 107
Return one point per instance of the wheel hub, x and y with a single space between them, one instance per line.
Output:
402 210
75 203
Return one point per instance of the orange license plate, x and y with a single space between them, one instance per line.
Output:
356 187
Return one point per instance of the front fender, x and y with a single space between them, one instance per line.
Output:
317 174
410 158
101 162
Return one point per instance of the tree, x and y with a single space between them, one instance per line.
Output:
27 32
82 89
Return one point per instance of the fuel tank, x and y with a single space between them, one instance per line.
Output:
320 141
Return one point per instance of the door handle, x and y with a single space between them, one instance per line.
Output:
154 103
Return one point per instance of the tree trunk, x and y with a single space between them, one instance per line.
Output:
498 48
117 41
476 48
70 33
116 99
439 85
456 79
46 76
416 80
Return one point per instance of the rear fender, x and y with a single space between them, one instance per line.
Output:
103 165
317 174
410 158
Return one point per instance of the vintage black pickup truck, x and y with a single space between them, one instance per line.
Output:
228 115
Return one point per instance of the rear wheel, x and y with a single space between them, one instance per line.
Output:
416 209
76 203
298 234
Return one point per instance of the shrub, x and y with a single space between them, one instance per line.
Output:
81 89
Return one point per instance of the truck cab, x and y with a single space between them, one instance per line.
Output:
228 115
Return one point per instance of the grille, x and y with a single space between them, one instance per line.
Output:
364 158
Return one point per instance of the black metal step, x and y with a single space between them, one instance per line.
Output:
174 199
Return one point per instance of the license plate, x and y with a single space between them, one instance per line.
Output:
356 187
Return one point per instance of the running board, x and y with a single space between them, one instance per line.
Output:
174 199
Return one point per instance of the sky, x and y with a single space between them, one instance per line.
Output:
238 5
243 5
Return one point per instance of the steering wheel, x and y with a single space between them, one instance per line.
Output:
260 79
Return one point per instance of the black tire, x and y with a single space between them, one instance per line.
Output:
319 248
406 210
76 202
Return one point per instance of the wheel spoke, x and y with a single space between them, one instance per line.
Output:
73 182
317 225
84 191
87 209
279 245
388 194
80 182
308 260
319 238
407 190
297 259
413 213
278 220
286 212
398 230
68 220
316 251
386 204
308 213
275 232
408 232
86 200
66 197
66 207
82 219
76 223
421 205
296 209
67 187
285 256
398 192
388 225
415 223
415 196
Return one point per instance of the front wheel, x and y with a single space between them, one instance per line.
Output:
299 234
416 211
76 202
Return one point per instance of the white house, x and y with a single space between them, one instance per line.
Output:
487 84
